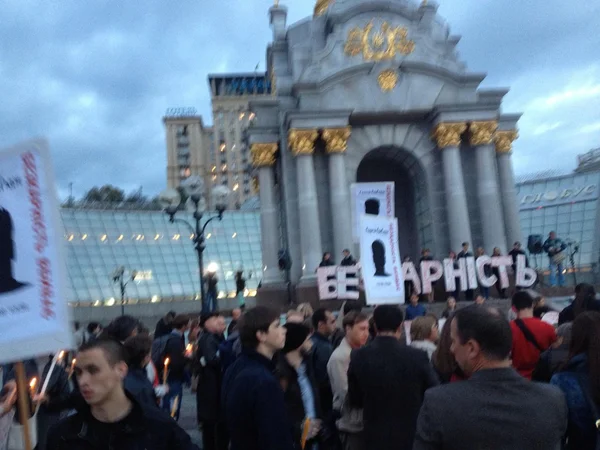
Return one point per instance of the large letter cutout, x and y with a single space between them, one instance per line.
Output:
343 282
484 280
409 273
502 262
525 276
451 274
430 271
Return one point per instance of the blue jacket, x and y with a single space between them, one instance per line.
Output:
253 404
412 312
554 243
581 431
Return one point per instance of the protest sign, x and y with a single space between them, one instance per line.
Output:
375 199
34 316
380 260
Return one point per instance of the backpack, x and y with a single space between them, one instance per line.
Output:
158 350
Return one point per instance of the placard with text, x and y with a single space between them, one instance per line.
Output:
380 260
34 315
376 199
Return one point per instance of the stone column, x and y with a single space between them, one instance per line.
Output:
503 141
302 145
488 192
448 137
263 157
336 142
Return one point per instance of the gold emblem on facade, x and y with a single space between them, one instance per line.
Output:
381 45
263 155
321 7
387 80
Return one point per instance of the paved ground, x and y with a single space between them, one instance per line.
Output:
187 420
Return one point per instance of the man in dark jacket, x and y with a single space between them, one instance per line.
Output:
251 396
210 378
110 419
466 253
388 380
178 361
323 322
164 325
495 406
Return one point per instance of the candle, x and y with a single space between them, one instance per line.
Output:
174 408
55 360
33 386
166 370
72 367
188 350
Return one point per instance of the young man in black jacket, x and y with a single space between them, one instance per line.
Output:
252 397
110 419
178 361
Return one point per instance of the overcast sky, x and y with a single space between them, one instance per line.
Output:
96 76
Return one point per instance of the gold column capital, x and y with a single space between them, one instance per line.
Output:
302 142
504 140
263 155
482 132
448 134
336 139
321 7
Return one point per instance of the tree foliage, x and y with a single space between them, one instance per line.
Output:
104 194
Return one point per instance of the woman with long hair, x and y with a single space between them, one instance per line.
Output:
585 300
580 382
443 360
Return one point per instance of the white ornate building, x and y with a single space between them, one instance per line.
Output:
373 90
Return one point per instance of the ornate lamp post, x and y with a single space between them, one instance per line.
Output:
119 277
194 188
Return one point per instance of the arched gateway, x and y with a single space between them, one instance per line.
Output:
374 91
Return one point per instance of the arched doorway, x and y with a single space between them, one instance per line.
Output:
412 207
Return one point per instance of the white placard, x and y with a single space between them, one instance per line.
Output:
381 261
376 199
34 315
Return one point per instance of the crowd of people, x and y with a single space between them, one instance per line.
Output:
472 379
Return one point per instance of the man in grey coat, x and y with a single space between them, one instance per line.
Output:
495 408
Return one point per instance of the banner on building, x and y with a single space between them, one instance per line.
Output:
380 260
34 316
375 199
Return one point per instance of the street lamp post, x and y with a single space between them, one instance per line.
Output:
119 277
194 188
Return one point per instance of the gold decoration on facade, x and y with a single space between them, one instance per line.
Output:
504 140
263 155
382 45
302 142
322 6
387 80
482 133
448 134
255 185
336 139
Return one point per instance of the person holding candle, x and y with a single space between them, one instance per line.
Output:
173 373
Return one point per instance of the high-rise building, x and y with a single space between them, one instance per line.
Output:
219 154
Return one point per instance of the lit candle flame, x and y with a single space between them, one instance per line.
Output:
33 385
61 355
167 360
166 370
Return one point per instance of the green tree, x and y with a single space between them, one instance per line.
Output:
136 197
105 194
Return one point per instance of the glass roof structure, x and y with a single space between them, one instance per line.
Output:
160 252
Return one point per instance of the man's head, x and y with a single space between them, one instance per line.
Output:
100 369
138 350
181 323
522 300
517 245
356 325
465 246
388 319
425 252
552 235
323 321
94 328
414 299
170 316
346 253
481 337
260 329
236 313
211 322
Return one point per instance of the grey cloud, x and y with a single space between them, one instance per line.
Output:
96 76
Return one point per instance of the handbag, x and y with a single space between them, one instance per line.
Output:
16 440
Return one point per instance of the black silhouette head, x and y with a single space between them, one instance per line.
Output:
7 254
372 206
378 249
